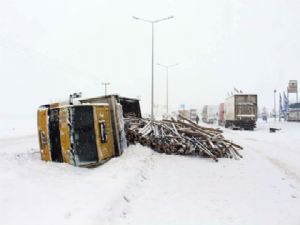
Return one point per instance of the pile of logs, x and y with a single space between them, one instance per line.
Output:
181 137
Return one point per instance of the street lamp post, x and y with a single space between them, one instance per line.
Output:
275 104
152 68
105 86
167 84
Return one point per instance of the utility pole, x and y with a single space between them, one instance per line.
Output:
152 22
105 85
275 104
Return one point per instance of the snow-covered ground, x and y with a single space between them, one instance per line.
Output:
145 187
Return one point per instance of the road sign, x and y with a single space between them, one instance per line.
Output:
293 86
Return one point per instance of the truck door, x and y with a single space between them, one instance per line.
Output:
83 132
103 132
54 135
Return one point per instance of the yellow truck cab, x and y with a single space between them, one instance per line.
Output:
80 135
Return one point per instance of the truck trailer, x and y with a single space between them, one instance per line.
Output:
221 118
240 111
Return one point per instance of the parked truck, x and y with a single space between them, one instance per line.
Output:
210 113
240 111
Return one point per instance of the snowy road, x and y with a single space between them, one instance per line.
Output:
144 187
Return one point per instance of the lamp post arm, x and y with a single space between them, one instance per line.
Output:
137 18
167 18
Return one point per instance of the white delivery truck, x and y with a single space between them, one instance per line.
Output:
210 113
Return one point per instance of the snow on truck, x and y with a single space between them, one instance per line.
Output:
240 111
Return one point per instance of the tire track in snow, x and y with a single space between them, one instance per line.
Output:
285 168
279 164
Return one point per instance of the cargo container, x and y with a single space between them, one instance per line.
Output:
80 135
221 118
130 106
210 113
241 111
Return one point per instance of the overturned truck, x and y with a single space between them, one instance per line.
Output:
87 133
80 135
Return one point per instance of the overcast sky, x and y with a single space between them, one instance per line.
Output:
49 49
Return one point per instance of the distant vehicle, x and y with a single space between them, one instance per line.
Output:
264 116
185 113
221 118
210 113
241 111
294 112
193 114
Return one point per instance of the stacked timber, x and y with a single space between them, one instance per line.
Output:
181 137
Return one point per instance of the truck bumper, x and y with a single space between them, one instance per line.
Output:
241 124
